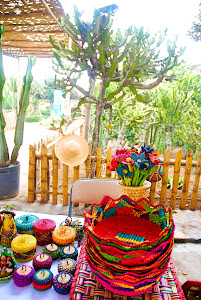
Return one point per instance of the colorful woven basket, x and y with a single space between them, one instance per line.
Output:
43 231
64 235
7 265
69 252
85 285
53 250
128 243
62 283
42 280
42 261
67 265
24 247
25 223
79 229
23 276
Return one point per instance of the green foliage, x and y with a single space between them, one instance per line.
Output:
170 182
5 160
32 118
131 59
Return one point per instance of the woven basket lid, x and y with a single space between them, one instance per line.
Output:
63 235
26 222
44 225
23 243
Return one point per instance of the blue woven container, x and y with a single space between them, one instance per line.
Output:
25 223
69 252
67 265
62 283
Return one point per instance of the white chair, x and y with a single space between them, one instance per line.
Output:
86 190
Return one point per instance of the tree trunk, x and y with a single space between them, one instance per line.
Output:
120 137
99 112
88 111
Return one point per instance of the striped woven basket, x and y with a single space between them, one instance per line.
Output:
128 243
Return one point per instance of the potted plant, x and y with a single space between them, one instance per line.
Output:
9 166
134 169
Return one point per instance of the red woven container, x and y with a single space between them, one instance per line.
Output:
43 231
128 243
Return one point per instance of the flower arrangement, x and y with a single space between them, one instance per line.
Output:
134 166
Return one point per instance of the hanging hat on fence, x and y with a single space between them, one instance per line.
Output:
72 150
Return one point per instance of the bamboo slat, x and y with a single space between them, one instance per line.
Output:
165 178
177 167
65 185
98 163
88 164
153 186
196 182
32 174
44 175
54 177
189 159
76 176
108 162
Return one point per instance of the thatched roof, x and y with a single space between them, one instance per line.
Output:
28 24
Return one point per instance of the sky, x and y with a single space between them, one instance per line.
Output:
175 15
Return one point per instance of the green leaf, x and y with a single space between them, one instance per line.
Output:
102 54
112 68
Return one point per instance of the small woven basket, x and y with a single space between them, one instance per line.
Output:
135 192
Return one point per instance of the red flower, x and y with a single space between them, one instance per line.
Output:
114 165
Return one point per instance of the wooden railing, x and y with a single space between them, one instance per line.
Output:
51 181
10 119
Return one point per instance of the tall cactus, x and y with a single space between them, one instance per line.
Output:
4 155
23 104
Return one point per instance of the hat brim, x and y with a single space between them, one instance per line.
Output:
62 154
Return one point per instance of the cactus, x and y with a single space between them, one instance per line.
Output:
23 104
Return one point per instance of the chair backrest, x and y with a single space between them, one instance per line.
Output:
93 190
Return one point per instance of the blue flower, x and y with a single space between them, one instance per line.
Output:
124 171
140 161
146 149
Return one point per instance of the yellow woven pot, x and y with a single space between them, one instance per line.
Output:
135 192
24 247
64 235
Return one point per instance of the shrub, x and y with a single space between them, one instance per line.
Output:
32 118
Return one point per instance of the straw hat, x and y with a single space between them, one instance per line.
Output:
72 150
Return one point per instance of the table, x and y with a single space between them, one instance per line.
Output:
10 291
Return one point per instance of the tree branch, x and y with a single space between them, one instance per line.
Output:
152 85
80 89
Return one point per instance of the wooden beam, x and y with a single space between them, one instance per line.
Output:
5 17
26 47
7 33
30 25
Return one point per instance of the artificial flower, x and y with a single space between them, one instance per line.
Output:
146 149
127 159
139 159
124 171
114 165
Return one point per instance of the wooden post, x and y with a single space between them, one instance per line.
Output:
177 167
153 185
32 174
65 185
108 162
55 176
44 174
184 194
98 163
76 175
164 180
196 182
88 164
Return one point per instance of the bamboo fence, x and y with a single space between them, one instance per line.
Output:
50 181
10 119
